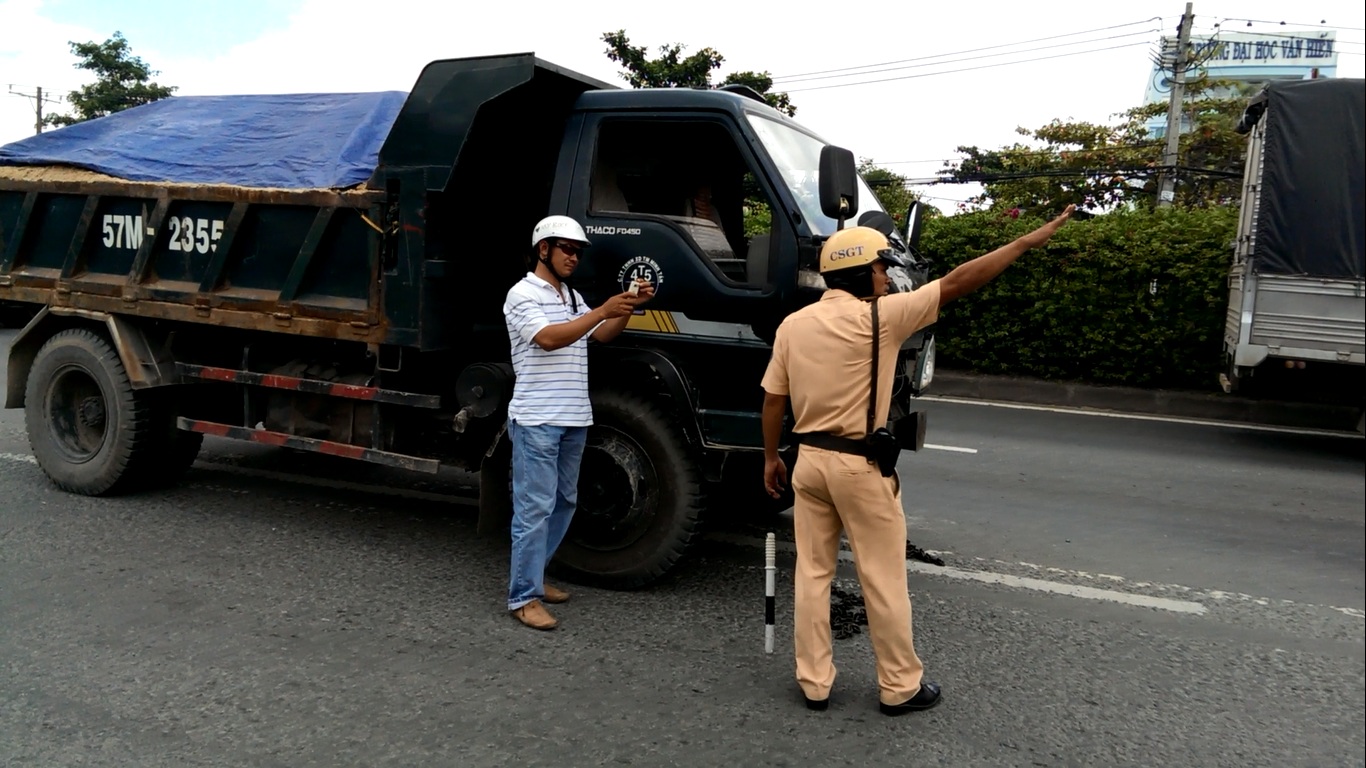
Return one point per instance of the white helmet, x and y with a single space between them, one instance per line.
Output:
562 227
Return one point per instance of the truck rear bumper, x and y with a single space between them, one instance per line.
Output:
1295 318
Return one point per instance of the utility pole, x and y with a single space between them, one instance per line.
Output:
37 106
1166 188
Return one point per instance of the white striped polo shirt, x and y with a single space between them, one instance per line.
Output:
551 387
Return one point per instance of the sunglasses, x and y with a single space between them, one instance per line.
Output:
570 249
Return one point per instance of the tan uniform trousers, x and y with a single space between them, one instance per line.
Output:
839 491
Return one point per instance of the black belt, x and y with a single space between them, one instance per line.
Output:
830 442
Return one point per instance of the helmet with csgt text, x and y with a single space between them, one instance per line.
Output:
857 247
562 227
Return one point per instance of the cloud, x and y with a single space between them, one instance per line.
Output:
344 45
34 52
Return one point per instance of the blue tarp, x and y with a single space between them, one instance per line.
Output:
290 141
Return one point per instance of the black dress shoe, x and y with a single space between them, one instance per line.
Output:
818 705
925 698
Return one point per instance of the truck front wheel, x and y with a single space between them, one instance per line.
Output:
89 430
641 496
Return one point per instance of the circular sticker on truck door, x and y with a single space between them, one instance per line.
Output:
640 268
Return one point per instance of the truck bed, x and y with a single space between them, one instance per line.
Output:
299 260
241 211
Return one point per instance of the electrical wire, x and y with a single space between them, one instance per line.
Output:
1285 36
964 69
970 50
805 75
1144 32
986 178
1020 152
1320 25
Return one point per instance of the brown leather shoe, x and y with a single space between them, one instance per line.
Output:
555 594
534 615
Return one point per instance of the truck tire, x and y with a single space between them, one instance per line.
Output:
641 497
90 431
171 449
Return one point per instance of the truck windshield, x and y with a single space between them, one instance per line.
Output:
798 156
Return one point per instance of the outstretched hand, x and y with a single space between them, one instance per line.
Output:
1043 234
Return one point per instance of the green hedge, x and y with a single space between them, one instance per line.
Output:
1082 307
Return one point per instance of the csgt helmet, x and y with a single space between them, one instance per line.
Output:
857 247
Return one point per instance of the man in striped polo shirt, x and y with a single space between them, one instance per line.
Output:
549 325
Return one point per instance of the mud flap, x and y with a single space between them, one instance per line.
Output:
495 500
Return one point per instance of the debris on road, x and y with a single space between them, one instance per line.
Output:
847 611
916 553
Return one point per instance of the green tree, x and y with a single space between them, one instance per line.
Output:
1109 165
1134 297
671 69
121 82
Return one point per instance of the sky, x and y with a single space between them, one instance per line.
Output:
901 83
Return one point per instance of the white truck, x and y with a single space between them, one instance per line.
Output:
1297 288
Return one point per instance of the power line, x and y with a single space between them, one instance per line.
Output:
966 69
1287 36
39 99
976 58
1019 152
1293 24
981 178
969 50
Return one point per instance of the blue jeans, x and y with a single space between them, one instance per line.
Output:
545 484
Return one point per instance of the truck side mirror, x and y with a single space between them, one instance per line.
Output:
914 215
838 183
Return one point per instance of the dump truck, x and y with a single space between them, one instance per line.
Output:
1297 286
326 272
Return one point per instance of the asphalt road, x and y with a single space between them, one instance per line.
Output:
1115 591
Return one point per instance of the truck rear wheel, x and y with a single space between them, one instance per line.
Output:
641 497
90 431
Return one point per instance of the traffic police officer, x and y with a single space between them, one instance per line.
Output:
822 363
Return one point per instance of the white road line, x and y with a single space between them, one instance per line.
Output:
1070 589
1003 579
952 448
988 577
1141 417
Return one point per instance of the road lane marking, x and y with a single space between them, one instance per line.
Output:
1007 580
1143 417
983 576
1094 593
953 448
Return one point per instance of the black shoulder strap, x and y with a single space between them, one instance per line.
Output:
872 396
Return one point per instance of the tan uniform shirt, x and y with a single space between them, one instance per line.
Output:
823 356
